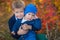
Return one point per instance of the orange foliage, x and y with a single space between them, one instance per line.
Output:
46 11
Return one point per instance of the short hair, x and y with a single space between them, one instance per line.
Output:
18 4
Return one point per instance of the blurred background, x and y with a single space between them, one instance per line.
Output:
48 12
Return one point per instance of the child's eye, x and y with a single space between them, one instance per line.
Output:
28 14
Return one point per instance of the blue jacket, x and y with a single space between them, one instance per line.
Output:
11 22
36 25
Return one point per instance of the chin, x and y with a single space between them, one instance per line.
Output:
19 17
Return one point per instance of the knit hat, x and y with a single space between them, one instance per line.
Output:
30 8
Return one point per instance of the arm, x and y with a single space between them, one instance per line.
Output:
25 28
34 24
37 24
16 26
21 31
11 22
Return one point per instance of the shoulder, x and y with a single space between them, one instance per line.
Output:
38 19
12 18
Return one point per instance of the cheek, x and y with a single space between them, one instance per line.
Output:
32 18
22 13
17 15
26 16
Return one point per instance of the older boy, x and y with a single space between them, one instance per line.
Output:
18 13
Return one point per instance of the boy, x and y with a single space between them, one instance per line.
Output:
18 10
28 19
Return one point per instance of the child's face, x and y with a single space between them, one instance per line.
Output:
19 12
30 16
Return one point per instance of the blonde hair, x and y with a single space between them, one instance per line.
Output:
18 4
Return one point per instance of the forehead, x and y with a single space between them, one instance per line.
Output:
31 13
18 9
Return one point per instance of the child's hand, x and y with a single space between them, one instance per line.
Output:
21 32
26 27
13 32
35 17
